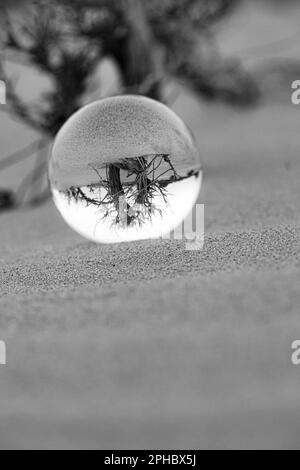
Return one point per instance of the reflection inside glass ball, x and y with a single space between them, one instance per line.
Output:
124 169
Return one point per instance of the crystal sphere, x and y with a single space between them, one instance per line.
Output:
124 168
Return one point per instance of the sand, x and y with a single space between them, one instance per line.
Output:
149 346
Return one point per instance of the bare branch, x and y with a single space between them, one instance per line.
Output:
22 154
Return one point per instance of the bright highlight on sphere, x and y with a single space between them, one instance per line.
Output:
124 168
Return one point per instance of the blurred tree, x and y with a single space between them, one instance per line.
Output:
151 42
154 40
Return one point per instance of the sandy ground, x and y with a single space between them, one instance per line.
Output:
149 346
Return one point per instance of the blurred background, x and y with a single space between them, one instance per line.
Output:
204 58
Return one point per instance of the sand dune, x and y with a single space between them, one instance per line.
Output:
107 350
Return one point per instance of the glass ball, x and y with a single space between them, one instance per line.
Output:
124 168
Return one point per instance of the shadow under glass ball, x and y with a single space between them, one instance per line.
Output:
124 168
